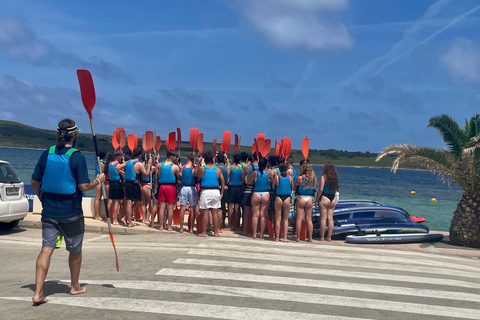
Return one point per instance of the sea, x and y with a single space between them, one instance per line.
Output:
355 183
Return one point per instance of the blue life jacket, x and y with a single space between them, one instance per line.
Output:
187 177
210 179
262 183
253 167
294 173
130 174
58 177
112 173
301 190
326 189
97 172
235 177
224 170
284 188
166 174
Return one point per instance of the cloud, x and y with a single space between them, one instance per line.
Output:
21 43
462 60
184 97
313 25
278 84
375 122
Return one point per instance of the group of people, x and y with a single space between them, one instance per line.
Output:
251 187
247 192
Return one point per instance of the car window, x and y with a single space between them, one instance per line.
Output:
8 174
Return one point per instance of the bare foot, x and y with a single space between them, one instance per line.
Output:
298 239
276 240
201 235
39 300
220 231
78 290
181 230
329 240
310 240
170 229
227 229
147 222
191 231
254 237
98 218
216 235
286 240
131 225
115 222
322 240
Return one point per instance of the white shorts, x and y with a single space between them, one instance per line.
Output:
210 199
188 195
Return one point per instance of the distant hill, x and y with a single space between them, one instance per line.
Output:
17 135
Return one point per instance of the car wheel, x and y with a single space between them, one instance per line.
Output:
8 225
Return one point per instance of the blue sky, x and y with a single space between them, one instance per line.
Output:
352 75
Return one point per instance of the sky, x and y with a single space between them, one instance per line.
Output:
351 75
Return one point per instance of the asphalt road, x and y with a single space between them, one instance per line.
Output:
180 276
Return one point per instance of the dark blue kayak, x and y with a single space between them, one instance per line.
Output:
395 238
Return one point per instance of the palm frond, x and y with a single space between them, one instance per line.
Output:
452 134
472 127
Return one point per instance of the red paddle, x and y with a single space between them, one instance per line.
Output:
158 143
150 140
200 143
305 143
87 91
256 148
171 141
267 146
122 139
261 135
179 140
287 147
260 144
226 141
167 143
115 143
144 142
193 138
135 141
214 147
277 148
235 148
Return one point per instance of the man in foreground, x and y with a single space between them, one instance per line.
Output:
59 179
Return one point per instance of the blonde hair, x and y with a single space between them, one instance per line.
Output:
310 177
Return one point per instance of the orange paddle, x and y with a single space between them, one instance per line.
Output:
214 146
131 142
144 142
135 141
260 144
277 148
150 140
226 141
122 139
235 148
261 135
267 146
200 143
115 141
87 91
118 131
256 148
305 143
158 143
193 138
287 147
167 143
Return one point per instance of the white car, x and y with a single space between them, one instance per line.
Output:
13 204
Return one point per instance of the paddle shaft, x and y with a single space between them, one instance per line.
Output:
104 194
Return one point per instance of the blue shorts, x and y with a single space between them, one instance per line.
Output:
72 229
188 195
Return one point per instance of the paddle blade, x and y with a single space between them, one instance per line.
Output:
144 142
115 140
87 90
179 138
150 140
261 135
214 146
305 144
256 148
193 138
235 148
158 143
131 142
172 141
226 141
122 139
277 148
135 141
267 146
167 143
200 143
287 148
260 145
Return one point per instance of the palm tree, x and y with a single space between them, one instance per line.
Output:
459 161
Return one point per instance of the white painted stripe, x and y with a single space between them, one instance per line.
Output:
24 243
208 311
95 239
328 272
374 288
332 262
338 246
323 299
325 254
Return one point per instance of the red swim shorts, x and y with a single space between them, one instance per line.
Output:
167 193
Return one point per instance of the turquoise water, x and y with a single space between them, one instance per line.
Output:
355 183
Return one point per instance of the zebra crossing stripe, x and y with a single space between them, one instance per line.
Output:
277 295
336 273
208 311
374 288
334 255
